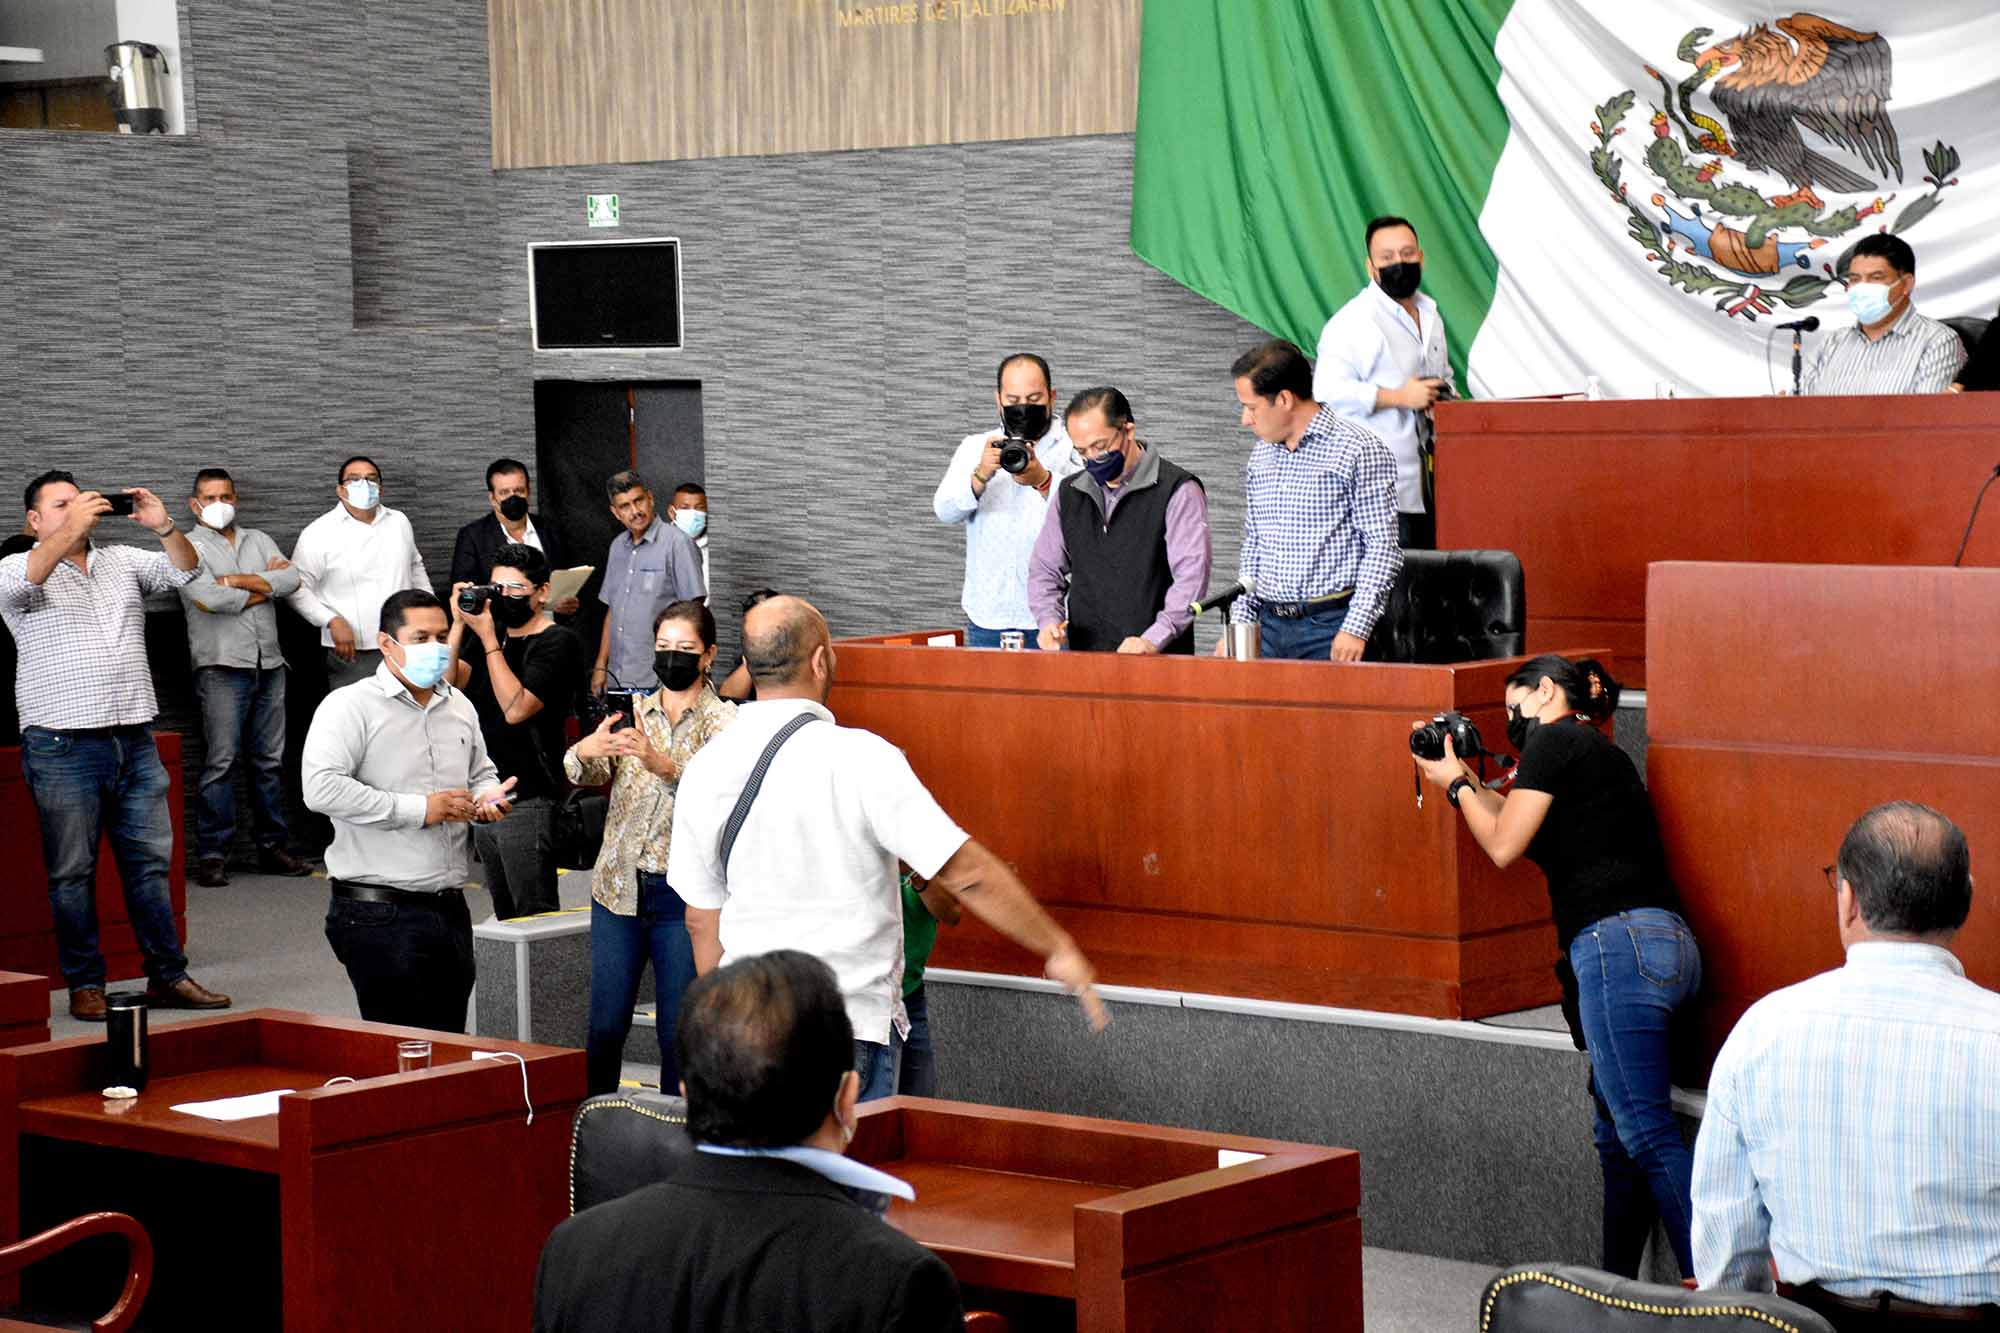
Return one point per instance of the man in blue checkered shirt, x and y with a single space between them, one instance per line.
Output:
1319 526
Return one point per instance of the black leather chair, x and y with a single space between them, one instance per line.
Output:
1453 606
1969 328
1567 1298
622 1141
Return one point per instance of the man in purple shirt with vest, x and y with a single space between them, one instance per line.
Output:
1124 550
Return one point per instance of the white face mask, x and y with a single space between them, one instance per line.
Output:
362 493
218 514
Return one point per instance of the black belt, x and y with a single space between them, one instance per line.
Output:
1300 610
382 893
1893 1311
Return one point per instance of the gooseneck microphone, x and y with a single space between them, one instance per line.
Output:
1798 328
1966 540
1246 584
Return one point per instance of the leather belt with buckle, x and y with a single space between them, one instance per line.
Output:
1300 610
382 893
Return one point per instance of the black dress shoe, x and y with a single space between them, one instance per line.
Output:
278 861
212 872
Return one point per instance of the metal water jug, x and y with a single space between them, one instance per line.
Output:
138 87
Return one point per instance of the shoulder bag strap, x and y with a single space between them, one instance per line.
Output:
756 784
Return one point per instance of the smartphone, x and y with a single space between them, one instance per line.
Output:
121 503
620 702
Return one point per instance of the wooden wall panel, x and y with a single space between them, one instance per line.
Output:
598 81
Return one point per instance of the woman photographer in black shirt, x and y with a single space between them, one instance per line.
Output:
1578 810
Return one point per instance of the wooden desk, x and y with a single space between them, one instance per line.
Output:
403 1201
27 930
24 1008
1589 494
1232 828
1788 699
1135 1224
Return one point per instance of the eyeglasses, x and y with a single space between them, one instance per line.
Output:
1832 874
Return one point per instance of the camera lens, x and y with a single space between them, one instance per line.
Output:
1015 457
472 600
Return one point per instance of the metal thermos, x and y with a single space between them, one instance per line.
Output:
125 1041
1243 639
138 87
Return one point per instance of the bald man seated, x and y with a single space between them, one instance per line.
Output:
807 859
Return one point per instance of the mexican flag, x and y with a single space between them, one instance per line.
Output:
1639 191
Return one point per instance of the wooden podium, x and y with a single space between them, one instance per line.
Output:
1589 494
1785 701
27 931
1141 1229
1229 828
412 1201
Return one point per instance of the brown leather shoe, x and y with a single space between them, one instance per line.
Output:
211 872
278 861
187 993
87 1003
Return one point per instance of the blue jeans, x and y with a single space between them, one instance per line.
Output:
620 947
1632 971
978 636
917 1069
1307 640
109 783
240 707
876 1063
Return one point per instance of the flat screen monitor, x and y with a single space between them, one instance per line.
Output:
608 296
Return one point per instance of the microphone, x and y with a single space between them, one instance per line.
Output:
1247 583
1966 540
1806 325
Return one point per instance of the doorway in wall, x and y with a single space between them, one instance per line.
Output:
586 430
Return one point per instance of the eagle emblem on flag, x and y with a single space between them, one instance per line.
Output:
1739 211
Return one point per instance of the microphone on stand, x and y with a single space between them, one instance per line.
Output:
1966 540
1798 328
1246 584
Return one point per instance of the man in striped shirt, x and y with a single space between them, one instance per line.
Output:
1852 1132
1891 348
1319 523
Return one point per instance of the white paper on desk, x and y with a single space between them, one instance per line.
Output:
1231 1157
236 1108
567 583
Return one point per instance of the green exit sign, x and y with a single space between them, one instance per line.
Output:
601 210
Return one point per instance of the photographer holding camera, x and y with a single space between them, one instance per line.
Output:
522 680
1003 515
1579 811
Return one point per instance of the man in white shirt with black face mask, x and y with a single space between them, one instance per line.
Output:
350 559
1002 509
1383 363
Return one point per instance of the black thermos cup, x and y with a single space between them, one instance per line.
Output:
125 1041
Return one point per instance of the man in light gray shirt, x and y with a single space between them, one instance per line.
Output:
399 765
239 678
651 565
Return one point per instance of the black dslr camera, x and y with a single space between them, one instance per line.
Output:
1015 455
472 600
1427 741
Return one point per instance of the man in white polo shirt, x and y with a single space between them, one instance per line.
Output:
820 820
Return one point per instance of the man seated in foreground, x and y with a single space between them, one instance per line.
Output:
1853 1120
767 1225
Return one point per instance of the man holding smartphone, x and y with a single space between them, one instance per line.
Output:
1384 363
77 613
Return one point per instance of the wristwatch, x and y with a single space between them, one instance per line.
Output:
1458 784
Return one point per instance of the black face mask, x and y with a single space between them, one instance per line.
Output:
1400 280
514 508
513 612
1519 728
1025 421
677 669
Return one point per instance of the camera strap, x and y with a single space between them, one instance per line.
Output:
755 784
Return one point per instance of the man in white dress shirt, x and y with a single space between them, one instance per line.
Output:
350 559
1852 1133
1003 513
1383 362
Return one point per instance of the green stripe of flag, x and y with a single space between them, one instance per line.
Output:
1270 131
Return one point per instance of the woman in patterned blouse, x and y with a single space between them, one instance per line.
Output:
634 914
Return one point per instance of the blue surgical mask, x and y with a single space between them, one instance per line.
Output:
1105 468
424 663
362 493
1869 301
691 521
